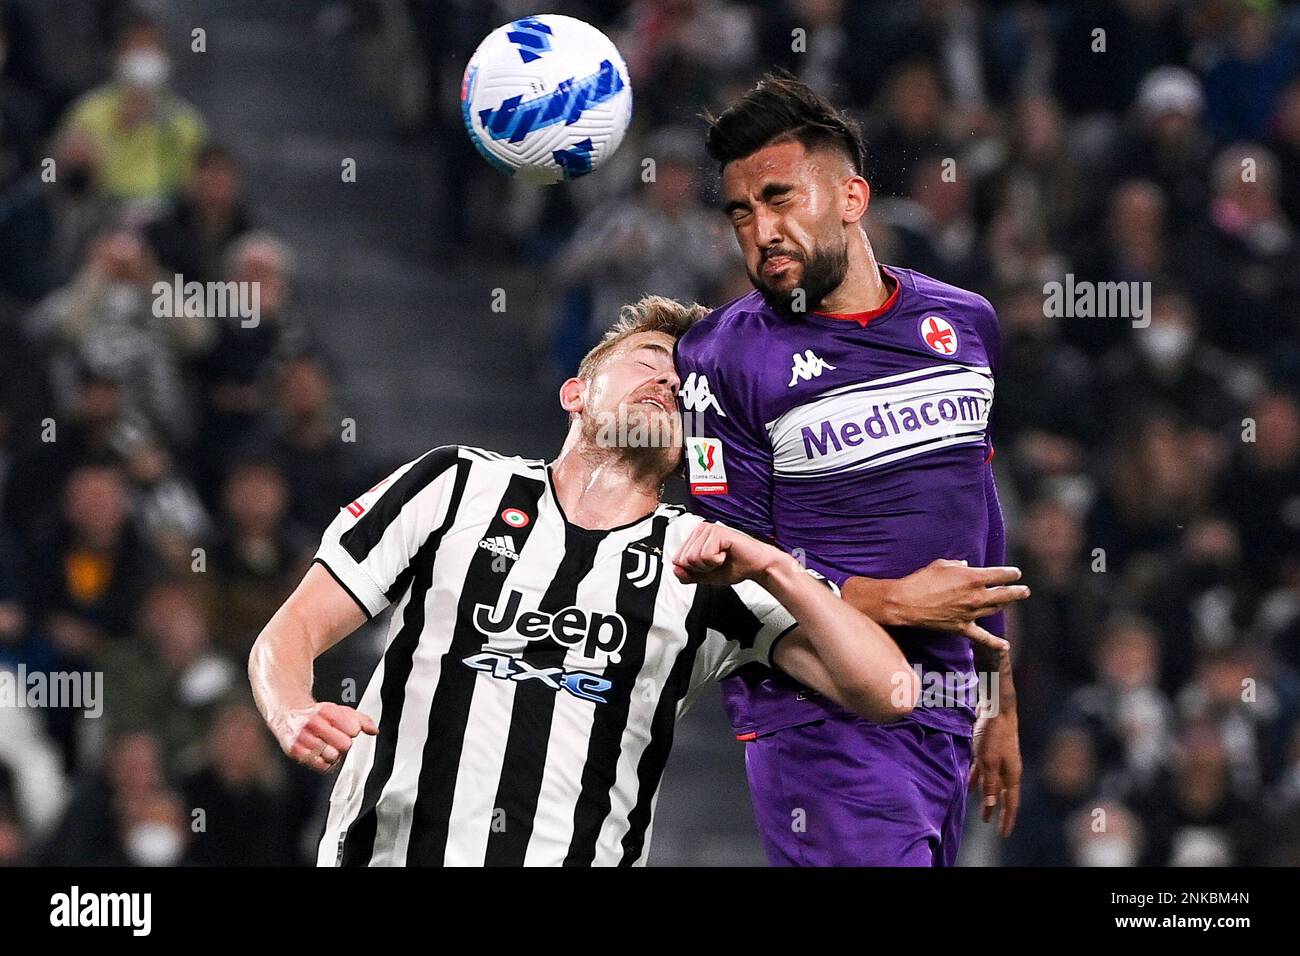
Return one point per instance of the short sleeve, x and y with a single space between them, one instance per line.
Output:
751 622
370 544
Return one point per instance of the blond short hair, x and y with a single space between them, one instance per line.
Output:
651 313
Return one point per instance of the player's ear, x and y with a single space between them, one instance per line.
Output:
857 197
573 395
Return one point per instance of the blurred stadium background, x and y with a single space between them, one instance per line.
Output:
1157 676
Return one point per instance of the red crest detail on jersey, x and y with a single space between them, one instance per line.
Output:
939 335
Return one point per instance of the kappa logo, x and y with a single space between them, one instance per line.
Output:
648 560
503 545
807 367
697 397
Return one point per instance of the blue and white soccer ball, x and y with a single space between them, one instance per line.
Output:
546 98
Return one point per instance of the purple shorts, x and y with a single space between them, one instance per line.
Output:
846 792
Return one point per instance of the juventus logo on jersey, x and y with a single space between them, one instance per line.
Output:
807 367
646 570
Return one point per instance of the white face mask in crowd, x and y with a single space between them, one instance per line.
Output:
1165 343
1107 851
154 844
143 69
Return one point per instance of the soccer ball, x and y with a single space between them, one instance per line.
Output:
546 98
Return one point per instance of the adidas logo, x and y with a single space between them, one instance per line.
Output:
503 545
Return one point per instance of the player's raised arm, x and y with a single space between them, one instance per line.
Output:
833 649
368 547
318 615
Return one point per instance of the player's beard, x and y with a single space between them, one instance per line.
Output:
650 443
823 273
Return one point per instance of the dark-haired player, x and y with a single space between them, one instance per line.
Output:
551 623
841 409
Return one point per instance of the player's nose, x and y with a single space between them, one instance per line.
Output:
767 228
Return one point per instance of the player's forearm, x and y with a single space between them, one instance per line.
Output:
987 659
856 653
877 598
997 662
318 615
280 668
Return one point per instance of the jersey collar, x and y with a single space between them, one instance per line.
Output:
863 318
593 532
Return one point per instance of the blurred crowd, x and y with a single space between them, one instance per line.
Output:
163 480
166 468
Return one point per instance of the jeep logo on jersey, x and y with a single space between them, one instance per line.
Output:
939 335
597 631
696 396
807 367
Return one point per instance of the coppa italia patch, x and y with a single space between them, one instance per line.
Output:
515 518
705 470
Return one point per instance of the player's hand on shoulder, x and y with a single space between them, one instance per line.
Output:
715 554
319 735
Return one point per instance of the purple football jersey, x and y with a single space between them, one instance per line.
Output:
860 444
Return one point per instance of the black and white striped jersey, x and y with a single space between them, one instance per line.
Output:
533 670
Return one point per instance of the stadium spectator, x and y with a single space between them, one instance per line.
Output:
108 319
193 235
1127 715
1243 85
85 591
234 375
258 555
659 238
145 135
89 833
1065 783
323 473
169 676
240 790
46 227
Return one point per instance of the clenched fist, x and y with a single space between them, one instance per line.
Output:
318 736
716 554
